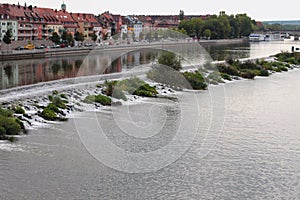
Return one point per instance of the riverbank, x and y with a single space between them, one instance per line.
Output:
60 52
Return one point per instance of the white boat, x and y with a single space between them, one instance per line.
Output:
256 37
274 37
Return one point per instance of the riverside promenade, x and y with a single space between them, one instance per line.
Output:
57 52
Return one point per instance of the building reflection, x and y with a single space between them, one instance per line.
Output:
26 72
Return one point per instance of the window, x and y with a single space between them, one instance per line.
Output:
3 23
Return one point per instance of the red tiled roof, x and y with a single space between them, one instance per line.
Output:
48 14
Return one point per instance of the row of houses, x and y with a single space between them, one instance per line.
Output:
35 23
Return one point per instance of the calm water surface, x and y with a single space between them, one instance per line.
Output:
256 155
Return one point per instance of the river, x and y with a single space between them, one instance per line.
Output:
239 141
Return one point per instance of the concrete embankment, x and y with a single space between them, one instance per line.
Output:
48 53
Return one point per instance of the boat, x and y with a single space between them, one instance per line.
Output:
256 37
274 37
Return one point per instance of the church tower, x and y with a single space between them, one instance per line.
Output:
63 6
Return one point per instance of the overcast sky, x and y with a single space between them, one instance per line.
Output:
256 9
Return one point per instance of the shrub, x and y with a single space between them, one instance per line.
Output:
226 76
19 110
292 61
268 66
10 125
49 114
110 85
248 74
6 112
264 72
170 59
167 76
53 107
143 93
2 131
55 92
231 70
119 94
50 98
215 78
196 80
104 100
248 65
57 101
63 96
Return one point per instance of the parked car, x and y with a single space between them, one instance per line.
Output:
19 48
29 46
39 47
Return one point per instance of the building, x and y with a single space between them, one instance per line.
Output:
88 25
137 28
51 23
23 14
67 21
8 22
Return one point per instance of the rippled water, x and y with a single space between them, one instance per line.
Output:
255 155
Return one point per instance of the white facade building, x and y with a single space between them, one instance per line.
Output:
137 28
5 24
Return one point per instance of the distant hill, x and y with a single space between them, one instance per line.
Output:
290 22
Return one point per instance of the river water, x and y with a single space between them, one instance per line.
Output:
235 141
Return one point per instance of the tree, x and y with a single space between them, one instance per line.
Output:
70 39
245 23
55 38
141 36
198 25
94 37
64 35
124 36
207 33
148 36
181 15
78 36
7 37
170 59
188 26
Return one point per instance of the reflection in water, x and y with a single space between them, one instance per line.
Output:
225 51
26 72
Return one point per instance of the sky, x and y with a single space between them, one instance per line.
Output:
260 10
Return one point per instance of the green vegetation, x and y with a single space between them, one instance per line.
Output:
51 111
215 78
196 80
170 59
290 58
19 110
134 86
7 37
113 91
104 100
222 26
9 125
250 69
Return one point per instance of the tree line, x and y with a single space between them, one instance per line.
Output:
220 26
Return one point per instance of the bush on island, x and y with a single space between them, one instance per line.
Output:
104 100
49 114
9 123
196 80
19 110
170 59
248 74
